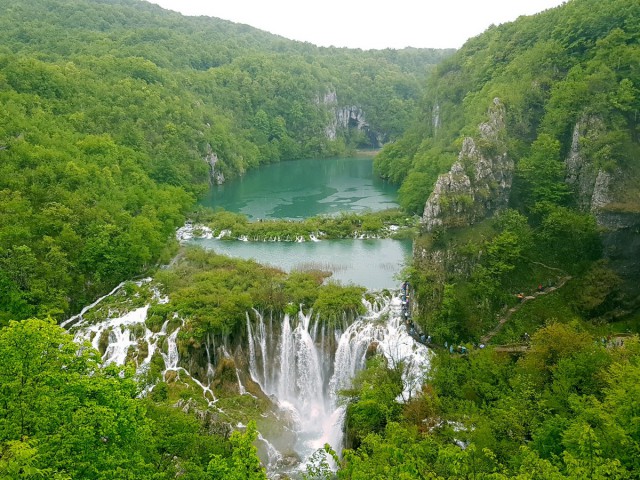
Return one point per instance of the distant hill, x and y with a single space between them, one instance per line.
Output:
116 114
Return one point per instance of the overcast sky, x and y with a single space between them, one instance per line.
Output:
367 24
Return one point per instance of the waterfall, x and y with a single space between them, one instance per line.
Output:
303 368
297 360
78 317
171 358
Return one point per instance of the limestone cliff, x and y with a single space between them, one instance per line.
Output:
478 183
610 196
349 117
589 182
216 177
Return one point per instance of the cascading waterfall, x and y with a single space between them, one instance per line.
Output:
298 361
120 335
301 370
123 335
79 316
171 358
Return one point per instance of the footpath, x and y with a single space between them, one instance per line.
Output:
420 337
524 299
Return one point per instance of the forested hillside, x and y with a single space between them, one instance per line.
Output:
520 152
525 168
549 70
116 115
526 153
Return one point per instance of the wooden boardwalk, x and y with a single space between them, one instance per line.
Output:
512 348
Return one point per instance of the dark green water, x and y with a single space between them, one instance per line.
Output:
304 188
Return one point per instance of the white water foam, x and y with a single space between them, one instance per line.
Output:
299 368
298 361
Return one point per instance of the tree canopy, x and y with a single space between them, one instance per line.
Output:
116 115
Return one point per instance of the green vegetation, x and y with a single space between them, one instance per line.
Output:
243 463
558 72
491 263
371 404
553 395
392 223
550 70
64 417
564 410
214 293
116 115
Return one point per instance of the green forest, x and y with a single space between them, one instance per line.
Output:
541 285
568 85
117 115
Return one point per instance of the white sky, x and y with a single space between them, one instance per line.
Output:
367 24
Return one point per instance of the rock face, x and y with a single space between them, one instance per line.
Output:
331 100
478 183
621 242
349 117
590 184
215 177
603 194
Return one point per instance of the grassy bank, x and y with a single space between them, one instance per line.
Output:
393 223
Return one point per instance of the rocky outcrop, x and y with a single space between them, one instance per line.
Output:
479 182
351 117
604 194
330 100
216 177
348 117
590 183
621 243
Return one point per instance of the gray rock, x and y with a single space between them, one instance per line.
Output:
215 177
478 183
595 191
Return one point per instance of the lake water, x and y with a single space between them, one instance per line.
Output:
371 263
304 188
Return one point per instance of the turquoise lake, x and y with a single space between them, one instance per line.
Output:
303 188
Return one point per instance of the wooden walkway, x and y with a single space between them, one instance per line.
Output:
615 341
513 348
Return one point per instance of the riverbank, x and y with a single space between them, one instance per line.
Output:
368 153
